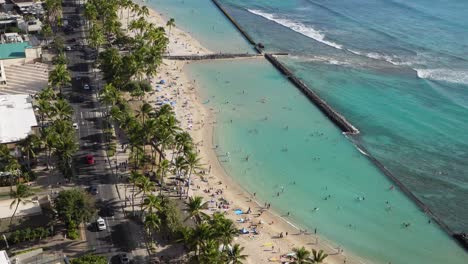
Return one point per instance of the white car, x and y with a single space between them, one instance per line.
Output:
86 86
101 224
68 48
75 125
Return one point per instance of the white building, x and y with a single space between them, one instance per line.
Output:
17 118
4 257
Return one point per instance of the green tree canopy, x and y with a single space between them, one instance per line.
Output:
90 259
74 206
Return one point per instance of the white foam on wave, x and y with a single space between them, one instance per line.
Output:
448 75
378 56
298 27
323 59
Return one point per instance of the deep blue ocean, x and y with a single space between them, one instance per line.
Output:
398 70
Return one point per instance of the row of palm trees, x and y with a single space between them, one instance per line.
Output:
157 143
57 135
210 240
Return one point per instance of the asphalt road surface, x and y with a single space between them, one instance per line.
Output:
117 237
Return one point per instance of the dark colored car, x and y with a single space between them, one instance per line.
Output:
93 190
124 258
107 211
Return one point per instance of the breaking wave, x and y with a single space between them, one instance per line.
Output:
448 75
298 27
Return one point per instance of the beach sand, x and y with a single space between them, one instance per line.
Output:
200 121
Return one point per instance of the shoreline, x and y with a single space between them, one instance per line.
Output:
265 247
242 199
347 128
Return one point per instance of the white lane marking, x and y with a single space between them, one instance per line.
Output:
81 113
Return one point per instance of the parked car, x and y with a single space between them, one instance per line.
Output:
101 224
86 86
75 125
68 48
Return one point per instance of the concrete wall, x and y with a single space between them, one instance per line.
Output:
33 54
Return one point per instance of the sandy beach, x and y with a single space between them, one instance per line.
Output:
200 121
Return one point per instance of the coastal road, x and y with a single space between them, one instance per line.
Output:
117 237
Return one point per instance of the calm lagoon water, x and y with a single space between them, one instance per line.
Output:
328 184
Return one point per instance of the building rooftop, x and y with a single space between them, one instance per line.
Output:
16 117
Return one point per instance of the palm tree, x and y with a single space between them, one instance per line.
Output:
164 166
49 137
144 111
44 109
63 109
144 11
9 163
180 165
90 12
181 139
193 162
22 191
146 186
28 147
195 205
234 255
134 178
302 256
47 94
96 37
152 222
170 23
59 76
109 95
223 229
210 253
318 256
152 203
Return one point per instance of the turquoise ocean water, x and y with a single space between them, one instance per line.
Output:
413 125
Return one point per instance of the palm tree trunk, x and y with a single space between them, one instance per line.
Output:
29 162
17 204
133 199
188 181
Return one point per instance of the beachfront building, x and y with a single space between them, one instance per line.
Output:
15 51
4 258
17 119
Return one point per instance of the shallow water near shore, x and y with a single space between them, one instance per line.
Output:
273 140
203 21
396 69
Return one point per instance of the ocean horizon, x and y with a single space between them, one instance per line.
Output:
408 105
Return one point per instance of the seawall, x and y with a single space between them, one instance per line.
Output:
234 22
333 115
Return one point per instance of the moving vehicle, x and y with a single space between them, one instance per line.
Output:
90 159
101 224
93 190
124 258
